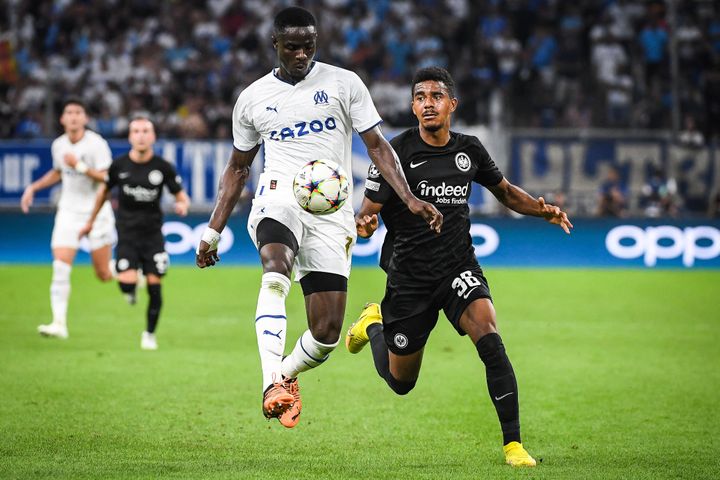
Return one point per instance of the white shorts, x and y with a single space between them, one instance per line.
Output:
68 224
325 241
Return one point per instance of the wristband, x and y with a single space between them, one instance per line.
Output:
81 167
211 237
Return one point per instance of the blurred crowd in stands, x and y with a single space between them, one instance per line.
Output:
517 63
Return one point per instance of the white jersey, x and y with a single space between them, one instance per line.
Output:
79 190
310 120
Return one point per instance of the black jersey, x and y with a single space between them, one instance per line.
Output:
140 190
442 176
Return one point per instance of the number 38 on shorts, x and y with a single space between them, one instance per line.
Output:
468 281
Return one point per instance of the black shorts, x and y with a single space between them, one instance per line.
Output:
141 250
410 312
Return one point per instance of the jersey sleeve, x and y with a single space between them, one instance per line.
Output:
488 175
362 109
245 137
102 158
111 180
376 188
172 180
57 162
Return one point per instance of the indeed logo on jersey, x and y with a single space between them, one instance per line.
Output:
301 129
444 193
141 194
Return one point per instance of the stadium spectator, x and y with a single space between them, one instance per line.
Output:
653 40
613 195
619 95
162 50
140 176
331 100
658 196
80 160
428 272
714 204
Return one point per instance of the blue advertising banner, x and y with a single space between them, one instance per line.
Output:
200 164
525 242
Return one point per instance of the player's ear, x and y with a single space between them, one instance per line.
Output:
274 41
453 104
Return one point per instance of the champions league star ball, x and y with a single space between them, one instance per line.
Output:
321 187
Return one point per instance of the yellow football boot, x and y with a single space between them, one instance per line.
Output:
517 456
357 336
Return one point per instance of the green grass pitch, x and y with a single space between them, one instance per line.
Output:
619 374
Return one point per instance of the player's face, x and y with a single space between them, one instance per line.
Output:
432 105
141 135
73 118
296 47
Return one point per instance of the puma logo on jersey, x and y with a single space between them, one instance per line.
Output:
301 129
271 109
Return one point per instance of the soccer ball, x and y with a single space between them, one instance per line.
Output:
321 187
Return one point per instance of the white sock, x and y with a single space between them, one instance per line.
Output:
271 325
113 268
60 291
308 353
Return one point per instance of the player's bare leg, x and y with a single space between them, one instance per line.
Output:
63 258
478 321
101 263
325 312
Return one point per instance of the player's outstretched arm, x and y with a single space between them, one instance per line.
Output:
231 186
103 195
182 203
366 219
386 160
49 179
517 199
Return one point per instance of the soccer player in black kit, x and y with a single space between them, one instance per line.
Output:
427 272
140 176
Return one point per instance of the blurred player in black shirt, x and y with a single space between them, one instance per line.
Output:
140 176
426 271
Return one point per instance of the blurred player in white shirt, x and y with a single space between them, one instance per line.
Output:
303 110
80 160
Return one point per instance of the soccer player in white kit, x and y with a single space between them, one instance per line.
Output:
80 158
303 110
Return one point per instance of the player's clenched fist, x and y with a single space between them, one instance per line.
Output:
366 225
205 257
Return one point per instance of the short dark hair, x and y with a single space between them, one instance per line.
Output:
293 17
437 74
73 101
141 117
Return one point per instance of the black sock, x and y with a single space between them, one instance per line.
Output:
502 385
382 360
379 349
153 310
127 288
